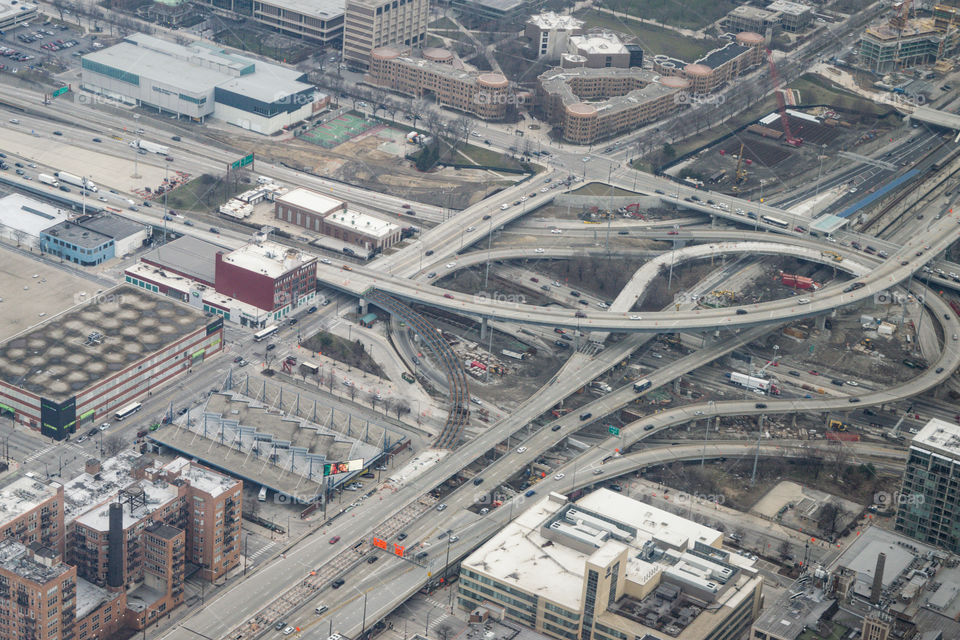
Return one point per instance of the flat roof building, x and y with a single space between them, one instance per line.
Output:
591 104
550 32
187 256
886 47
600 50
744 17
40 592
371 24
83 364
484 94
317 20
23 219
476 13
13 13
269 276
927 509
306 208
719 66
200 81
32 511
791 16
610 568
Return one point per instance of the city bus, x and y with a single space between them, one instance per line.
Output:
777 222
310 368
266 333
641 385
127 411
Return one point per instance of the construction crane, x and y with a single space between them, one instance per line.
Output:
781 105
740 174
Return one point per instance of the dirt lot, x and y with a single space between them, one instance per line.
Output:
364 162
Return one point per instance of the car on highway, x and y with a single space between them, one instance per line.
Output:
575 294
555 427
636 317
477 481
280 625
939 370
441 506
760 405
597 472
649 427
853 383
538 250
529 493
556 231
451 265
741 312
334 539
854 400
104 426
402 536
447 295
432 274
803 300
288 630
312 309
326 261
469 229
521 449
58 133
579 314
561 344
486 217
586 416
336 584
428 252
853 287
453 539
504 207
813 372
321 608
559 476
793 373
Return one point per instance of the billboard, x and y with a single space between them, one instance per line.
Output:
334 468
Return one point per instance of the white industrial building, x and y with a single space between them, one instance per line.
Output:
13 13
22 219
199 81
612 568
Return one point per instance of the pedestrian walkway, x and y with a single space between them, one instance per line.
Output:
39 454
259 552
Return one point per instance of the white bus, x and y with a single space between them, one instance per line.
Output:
777 222
127 411
266 333
641 385
262 496
310 368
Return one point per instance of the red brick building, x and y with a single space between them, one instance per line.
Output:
268 276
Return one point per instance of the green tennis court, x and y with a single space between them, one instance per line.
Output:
339 130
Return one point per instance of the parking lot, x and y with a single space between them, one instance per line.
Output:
27 46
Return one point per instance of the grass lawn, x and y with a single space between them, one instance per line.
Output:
443 23
434 41
204 193
487 157
653 39
816 89
689 14
351 354
600 189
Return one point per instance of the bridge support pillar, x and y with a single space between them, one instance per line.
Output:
821 322
713 222
484 328
363 307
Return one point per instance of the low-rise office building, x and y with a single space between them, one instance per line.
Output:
611 568
198 81
719 66
886 47
269 276
371 24
550 33
317 20
483 94
23 219
600 50
13 13
588 105
791 16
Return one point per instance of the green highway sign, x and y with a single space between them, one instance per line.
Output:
60 91
614 431
242 162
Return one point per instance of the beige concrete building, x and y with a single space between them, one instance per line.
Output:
719 66
369 24
600 50
611 568
549 33
484 95
591 104
747 18
319 20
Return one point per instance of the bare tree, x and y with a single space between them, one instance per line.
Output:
443 631
838 459
388 404
416 109
402 408
372 398
829 518
352 390
461 129
784 549
329 379
112 445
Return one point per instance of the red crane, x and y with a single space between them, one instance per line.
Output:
788 137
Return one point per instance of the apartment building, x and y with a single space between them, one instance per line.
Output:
38 593
549 33
483 94
588 105
32 511
369 24
611 568
318 20
718 66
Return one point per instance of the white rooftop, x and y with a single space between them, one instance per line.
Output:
28 215
201 478
89 597
520 555
157 494
362 223
268 258
939 436
552 20
86 491
186 285
22 495
309 199
606 43
786 6
8 8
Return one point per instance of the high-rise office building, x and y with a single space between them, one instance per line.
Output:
928 501
369 24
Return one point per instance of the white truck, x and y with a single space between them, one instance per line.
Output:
751 382
76 181
152 147
48 179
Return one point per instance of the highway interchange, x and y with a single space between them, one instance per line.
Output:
374 590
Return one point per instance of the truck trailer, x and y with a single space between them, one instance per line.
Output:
751 382
152 147
48 179
799 282
76 181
